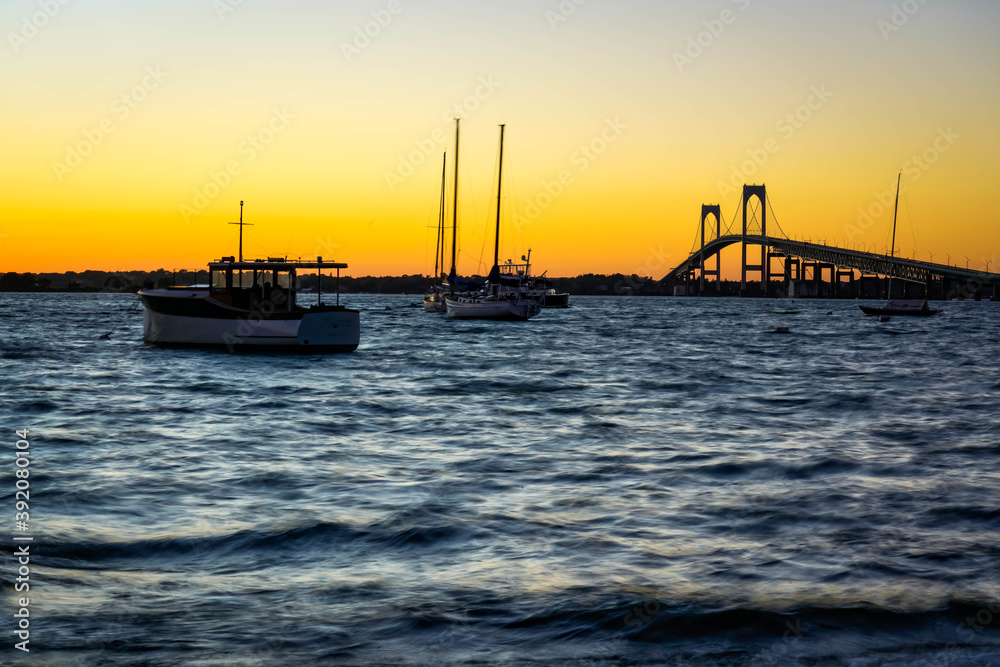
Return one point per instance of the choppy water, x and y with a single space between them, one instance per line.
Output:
631 481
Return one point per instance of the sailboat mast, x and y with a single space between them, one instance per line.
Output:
496 243
439 247
892 250
454 207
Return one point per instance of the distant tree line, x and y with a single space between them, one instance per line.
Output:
97 281
132 281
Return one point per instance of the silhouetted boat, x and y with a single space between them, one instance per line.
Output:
504 296
434 299
902 307
250 305
899 307
537 288
554 299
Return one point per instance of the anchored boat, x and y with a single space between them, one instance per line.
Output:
899 307
434 299
505 295
250 305
452 285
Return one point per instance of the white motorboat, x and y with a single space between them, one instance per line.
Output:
250 305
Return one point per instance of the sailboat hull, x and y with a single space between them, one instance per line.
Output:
486 309
898 312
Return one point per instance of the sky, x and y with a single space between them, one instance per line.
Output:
132 130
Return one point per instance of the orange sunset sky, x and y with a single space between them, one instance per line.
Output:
131 130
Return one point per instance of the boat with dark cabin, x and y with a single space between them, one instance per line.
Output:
251 306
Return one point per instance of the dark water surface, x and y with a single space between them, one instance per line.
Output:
630 481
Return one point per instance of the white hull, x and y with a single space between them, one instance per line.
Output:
488 309
322 330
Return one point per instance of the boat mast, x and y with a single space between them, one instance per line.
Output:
242 225
454 211
892 250
496 243
439 247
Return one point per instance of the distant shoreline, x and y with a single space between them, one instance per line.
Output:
132 281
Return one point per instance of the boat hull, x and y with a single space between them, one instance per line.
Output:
556 301
435 305
486 309
898 312
201 322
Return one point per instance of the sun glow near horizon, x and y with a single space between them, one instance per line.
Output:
134 132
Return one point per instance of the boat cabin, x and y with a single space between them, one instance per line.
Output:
247 284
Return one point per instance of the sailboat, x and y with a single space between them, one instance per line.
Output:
504 296
899 307
434 299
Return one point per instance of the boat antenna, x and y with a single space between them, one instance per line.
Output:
496 242
454 211
242 225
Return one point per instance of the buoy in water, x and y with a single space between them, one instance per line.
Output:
781 330
884 318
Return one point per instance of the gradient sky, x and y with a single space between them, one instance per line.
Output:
331 126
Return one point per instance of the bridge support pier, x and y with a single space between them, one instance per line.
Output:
849 274
707 210
760 192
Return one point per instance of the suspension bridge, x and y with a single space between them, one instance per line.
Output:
807 269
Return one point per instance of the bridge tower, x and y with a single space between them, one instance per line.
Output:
760 192
707 210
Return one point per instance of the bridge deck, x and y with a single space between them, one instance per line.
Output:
868 263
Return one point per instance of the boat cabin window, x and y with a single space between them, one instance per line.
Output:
243 279
245 288
218 281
